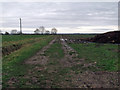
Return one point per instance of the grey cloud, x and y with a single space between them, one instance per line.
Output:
102 29
67 14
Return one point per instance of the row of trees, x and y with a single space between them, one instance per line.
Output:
42 30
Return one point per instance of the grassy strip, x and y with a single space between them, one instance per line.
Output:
55 70
55 51
105 55
20 39
7 38
78 36
13 64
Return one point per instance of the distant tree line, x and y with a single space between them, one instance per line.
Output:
40 30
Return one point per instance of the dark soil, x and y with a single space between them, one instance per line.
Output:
109 37
9 49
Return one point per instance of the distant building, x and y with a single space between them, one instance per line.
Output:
14 32
54 31
47 32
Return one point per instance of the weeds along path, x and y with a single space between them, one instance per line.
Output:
70 55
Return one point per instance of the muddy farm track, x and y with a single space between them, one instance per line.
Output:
50 70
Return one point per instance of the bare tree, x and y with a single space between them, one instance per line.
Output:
37 31
6 33
42 29
54 31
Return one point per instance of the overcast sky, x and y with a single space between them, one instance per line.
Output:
67 17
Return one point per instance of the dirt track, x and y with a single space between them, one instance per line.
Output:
39 57
85 78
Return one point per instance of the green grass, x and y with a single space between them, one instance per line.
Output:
7 38
13 64
78 36
55 51
105 55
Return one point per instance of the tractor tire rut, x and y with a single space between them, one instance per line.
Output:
39 57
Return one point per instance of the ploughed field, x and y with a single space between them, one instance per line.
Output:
58 61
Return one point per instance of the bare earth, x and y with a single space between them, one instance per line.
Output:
86 78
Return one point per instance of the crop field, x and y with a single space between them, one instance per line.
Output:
58 61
